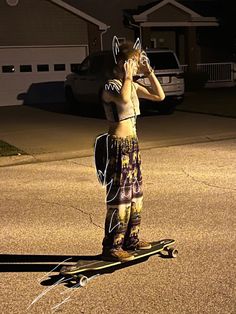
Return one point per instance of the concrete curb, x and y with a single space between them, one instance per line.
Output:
188 140
57 156
15 160
46 157
189 110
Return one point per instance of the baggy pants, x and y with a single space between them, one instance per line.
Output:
124 195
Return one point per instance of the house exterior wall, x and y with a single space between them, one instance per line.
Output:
164 38
182 40
111 13
193 50
168 13
119 31
94 38
34 22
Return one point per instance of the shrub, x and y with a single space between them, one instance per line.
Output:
195 80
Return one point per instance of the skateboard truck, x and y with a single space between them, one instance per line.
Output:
76 271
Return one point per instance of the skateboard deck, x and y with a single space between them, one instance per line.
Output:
75 271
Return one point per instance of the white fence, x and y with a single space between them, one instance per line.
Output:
219 74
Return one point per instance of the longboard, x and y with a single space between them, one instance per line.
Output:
75 271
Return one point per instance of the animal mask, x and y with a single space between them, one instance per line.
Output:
116 45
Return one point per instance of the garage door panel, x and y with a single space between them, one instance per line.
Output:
17 82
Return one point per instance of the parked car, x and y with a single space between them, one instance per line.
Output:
171 76
84 86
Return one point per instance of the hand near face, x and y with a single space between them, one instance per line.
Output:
130 67
144 66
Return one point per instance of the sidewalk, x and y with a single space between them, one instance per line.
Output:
47 135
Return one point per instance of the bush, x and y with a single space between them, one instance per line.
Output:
194 80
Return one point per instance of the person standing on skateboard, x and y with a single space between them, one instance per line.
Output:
123 177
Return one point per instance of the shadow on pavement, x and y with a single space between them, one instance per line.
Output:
87 112
69 282
53 263
50 96
38 263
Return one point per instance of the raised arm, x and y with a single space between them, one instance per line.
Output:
121 92
155 91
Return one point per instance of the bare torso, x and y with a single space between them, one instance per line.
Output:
123 128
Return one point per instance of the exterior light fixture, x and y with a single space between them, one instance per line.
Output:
12 3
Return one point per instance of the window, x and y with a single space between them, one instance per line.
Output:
162 60
42 67
26 68
59 67
8 69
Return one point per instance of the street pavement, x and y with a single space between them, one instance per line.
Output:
55 210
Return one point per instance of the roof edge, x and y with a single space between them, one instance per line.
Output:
72 9
143 16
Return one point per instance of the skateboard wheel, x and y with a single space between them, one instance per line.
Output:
83 280
172 252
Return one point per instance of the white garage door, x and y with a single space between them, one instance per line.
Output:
29 70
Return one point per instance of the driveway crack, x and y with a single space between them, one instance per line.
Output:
206 183
76 208
80 164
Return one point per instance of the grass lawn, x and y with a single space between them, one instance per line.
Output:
9 150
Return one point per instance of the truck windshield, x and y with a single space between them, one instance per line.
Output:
162 60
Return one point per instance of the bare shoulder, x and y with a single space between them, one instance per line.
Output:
113 85
111 90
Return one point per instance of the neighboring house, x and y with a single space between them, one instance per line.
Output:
111 13
189 27
173 25
177 25
41 41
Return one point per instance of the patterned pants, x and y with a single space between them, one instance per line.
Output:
121 170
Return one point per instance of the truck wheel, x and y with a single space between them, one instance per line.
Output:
73 105
166 109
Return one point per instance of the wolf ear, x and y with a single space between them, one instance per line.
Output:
137 44
115 47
